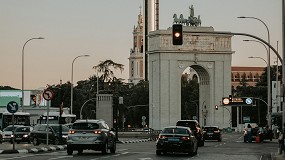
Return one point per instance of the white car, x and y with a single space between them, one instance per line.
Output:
7 132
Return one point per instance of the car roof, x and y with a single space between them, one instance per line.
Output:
89 121
211 127
176 127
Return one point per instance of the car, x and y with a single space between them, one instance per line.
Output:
195 127
7 133
91 134
212 133
39 134
176 139
22 134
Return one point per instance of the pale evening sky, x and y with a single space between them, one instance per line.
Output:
103 29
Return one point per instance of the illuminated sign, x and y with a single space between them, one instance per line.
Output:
237 101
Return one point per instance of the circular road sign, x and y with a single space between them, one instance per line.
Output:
248 101
12 107
226 101
48 94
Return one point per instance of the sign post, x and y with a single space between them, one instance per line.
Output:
48 95
12 107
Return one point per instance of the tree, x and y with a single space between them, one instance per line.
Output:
107 73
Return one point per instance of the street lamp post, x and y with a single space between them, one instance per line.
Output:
22 102
71 92
268 70
268 84
92 99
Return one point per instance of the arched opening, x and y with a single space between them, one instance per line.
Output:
193 106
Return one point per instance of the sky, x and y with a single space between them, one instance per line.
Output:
103 30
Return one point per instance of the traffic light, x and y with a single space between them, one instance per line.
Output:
177 34
216 107
230 98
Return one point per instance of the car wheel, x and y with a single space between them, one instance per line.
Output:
36 142
105 148
69 150
56 141
18 142
113 149
80 151
158 152
220 139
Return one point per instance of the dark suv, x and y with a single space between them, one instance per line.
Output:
212 133
39 134
91 134
196 129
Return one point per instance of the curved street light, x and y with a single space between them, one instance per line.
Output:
268 69
71 96
23 51
268 82
83 106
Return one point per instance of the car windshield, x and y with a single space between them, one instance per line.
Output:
56 128
9 128
22 129
187 124
85 126
175 130
210 129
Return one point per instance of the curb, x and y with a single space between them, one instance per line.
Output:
57 148
34 150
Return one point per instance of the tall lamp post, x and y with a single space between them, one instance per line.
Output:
23 51
268 96
268 83
71 94
268 69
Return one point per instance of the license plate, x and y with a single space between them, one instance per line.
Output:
173 139
18 138
83 137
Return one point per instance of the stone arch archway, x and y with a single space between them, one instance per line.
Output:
209 55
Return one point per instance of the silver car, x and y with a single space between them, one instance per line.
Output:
91 134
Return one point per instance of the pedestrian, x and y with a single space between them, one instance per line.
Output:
249 133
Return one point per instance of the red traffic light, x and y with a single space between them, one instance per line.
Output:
177 35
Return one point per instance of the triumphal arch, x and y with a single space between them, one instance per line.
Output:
210 55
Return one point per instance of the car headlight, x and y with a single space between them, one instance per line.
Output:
12 136
25 136
64 136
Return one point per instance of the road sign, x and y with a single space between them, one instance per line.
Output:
237 101
12 107
48 94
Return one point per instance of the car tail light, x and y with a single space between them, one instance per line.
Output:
162 137
185 138
97 132
71 131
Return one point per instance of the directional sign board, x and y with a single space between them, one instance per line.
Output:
237 101
48 94
12 107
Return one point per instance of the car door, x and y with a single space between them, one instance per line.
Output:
41 134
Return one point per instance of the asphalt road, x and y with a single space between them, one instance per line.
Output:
231 148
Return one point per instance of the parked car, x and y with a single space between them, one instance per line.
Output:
91 134
176 139
195 127
212 133
7 132
39 134
22 134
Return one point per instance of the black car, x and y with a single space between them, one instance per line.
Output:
91 134
176 139
196 129
212 133
39 134
22 134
